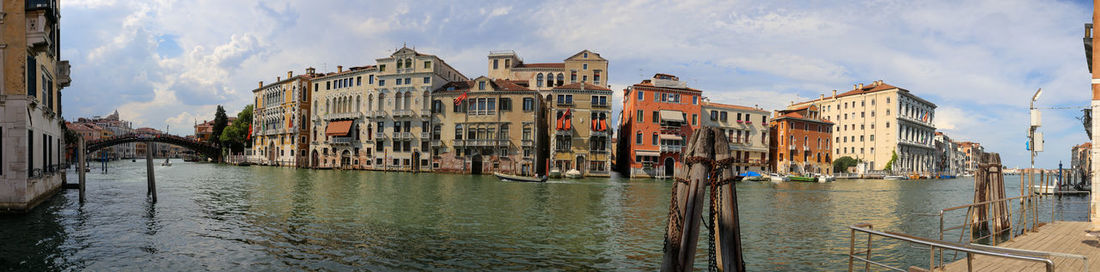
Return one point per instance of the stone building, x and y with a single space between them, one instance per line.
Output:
746 129
1081 163
400 110
485 125
801 141
584 66
205 130
580 117
875 121
342 134
658 117
970 152
280 125
949 157
31 139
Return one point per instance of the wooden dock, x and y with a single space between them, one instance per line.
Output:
1062 237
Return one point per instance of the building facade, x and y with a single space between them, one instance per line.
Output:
1081 163
585 66
747 131
341 131
971 152
876 121
280 125
659 115
949 158
581 125
485 125
31 137
801 142
402 118
205 131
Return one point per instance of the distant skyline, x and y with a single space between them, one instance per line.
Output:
173 62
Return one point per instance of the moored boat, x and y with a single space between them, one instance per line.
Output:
507 177
895 178
573 173
803 179
779 178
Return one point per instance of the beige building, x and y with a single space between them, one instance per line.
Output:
280 125
399 104
585 66
341 134
873 122
31 139
580 118
485 125
747 130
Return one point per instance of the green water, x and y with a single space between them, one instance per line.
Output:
214 217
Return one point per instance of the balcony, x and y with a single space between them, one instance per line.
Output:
342 115
402 113
437 143
378 114
565 104
39 34
599 151
63 71
563 132
599 133
791 147
672 148
528 142
402 135
601 106
425 135
341 140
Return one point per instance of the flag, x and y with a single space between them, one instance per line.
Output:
249 136
458 100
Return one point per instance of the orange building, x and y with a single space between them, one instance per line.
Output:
800 142
659 115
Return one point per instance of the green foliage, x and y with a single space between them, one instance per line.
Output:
71 138
893 158
235 136
220 122
842 164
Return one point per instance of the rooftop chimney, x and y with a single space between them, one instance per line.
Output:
339 68
822 97
261 84
277 79
861 86
834 93
311 71
289 74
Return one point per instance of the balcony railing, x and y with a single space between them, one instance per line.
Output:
342 115
528 142
600 106
438 142
378 114
425 135
341 140
565 104
402 113
672 148
403 135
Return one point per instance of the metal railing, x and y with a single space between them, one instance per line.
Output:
933 245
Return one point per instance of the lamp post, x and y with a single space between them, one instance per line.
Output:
1035 142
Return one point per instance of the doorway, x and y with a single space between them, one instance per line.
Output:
670 167
475 165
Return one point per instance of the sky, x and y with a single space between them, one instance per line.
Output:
170 63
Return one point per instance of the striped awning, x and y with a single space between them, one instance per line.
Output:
338 128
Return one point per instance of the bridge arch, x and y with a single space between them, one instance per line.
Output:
203 148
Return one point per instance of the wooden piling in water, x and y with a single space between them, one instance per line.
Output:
705 163
81 160
152 183
989 186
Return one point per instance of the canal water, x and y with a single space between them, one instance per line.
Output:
217 217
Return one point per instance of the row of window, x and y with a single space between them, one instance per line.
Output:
667 97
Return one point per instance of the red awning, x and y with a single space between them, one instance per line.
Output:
568 122
603 125
338 128
559 123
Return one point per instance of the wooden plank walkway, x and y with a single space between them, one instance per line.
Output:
1062 237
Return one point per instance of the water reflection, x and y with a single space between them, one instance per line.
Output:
212 217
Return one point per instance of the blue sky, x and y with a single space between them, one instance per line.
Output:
165 62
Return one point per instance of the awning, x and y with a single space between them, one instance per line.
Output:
338 128
671 137
672 116
647 153
603 125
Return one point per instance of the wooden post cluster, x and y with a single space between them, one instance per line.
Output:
989 186
706 162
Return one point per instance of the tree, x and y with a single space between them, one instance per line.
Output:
842 164
890 164
235 136
220 122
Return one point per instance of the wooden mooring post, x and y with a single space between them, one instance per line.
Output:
989 186
81 161
152 182
706 163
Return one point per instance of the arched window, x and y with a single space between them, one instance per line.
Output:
327 101
549 80
397 101
381 101
408 63
407 100
357 103
538 80
427 102
370 102
561 79
399 62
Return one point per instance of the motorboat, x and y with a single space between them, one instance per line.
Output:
779 178
507 177
826 178
802 179
167 162
753 176
895 177
573 173
1043 189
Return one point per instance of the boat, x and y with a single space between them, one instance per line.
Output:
826 178
895 177
507 177
555 173
754 176
779 178
947 176
802 179
166 163
1042 189
573 173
